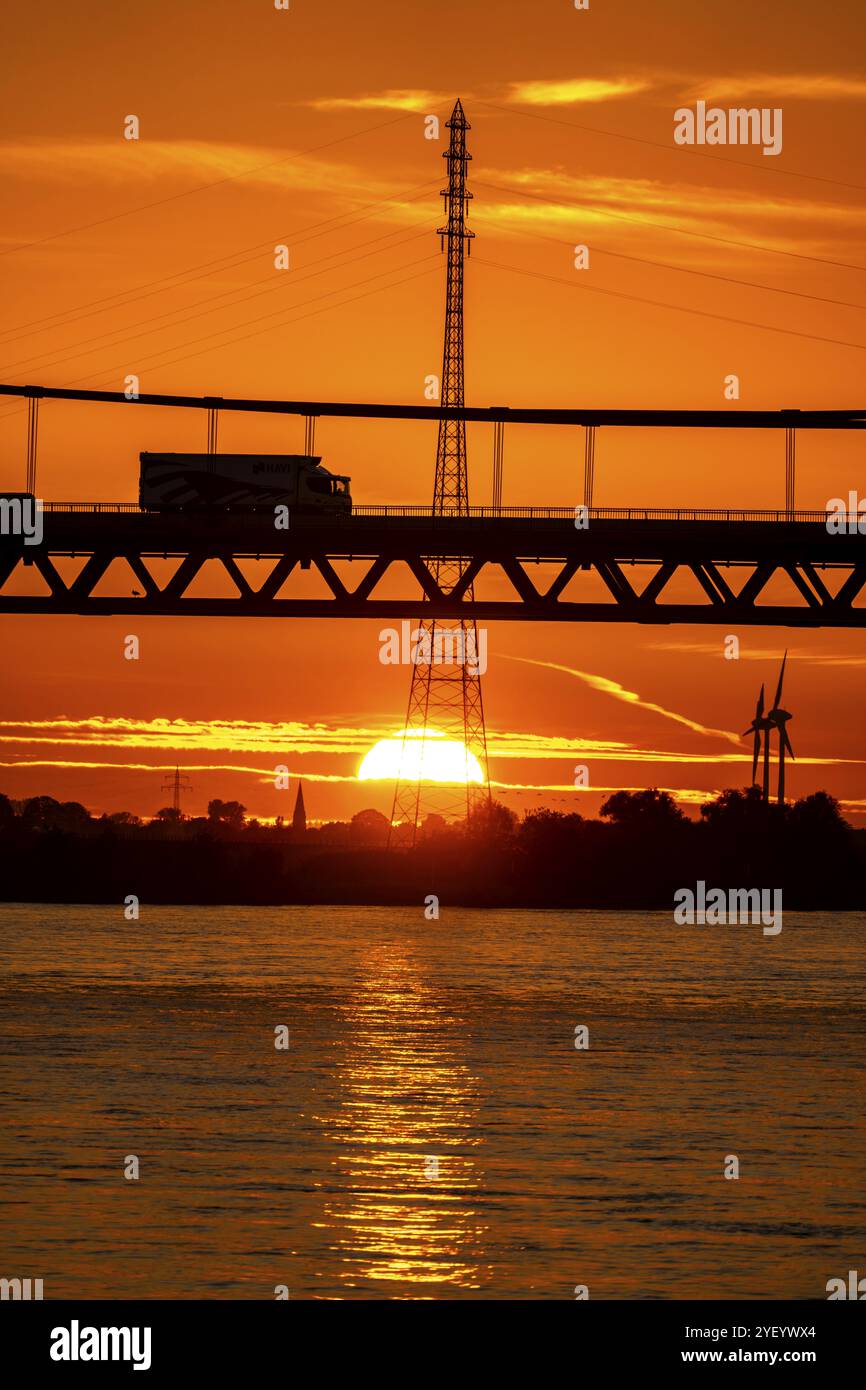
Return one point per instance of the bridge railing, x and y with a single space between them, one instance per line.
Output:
718 514
606 513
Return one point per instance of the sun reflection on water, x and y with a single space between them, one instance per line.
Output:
406 1132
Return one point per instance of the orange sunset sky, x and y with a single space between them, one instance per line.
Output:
306 127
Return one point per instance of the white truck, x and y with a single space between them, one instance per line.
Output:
240 482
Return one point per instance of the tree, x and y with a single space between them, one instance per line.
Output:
38 812
370 828
334 832
434 826
7 811
228 813
492 821
733 809
819 815
548 832
168 814
72 816
46 813
124 818
642 810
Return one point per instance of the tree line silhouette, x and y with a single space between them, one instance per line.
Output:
636 854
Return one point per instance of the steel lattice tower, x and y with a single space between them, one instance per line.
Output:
445 697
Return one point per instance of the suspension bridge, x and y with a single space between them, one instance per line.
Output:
638 554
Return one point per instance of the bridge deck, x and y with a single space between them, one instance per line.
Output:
639 555
627 534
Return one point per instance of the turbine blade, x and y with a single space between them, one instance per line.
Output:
757 750
779 686
760 705
787 742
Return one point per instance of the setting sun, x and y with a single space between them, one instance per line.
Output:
416 756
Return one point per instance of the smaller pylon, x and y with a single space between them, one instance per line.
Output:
177 785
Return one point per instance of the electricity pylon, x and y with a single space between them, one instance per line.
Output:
177 785
445 693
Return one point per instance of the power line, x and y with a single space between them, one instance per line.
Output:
295 279
675 149
732 280
204 266
678 308
276 280
666 227
687 270
298 317
203 187
157 366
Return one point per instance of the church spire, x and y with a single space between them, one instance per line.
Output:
299 819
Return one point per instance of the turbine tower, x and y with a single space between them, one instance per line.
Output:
445 695
759 726
777 718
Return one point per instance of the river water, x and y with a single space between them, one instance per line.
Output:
431 1129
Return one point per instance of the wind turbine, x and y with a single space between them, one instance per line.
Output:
761 725
777 718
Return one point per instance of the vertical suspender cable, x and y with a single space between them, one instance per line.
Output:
32 440
588 465
498 459
790 470
309 434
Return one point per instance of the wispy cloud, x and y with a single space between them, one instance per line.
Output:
553 203
188 161
856 660
558 92
589 197
567 91
629 697
189 740
573 91
81 764
218 735
750 87
395 99
291 739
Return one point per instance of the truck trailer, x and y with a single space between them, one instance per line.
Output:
240 483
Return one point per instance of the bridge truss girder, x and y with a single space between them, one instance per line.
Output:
638 564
